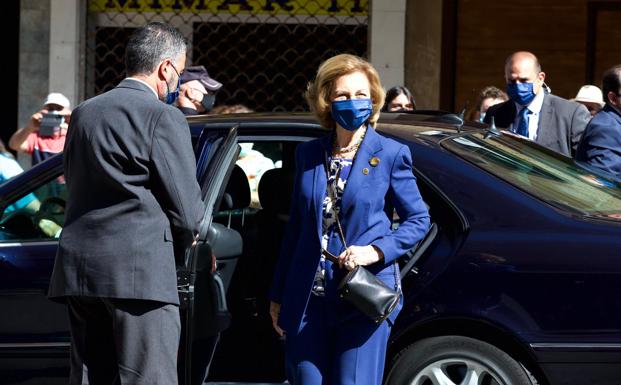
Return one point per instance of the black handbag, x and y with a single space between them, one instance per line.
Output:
362 288
366 292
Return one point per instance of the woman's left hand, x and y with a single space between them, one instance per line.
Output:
360 255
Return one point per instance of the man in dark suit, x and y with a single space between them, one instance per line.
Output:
549 120
133 203
600 146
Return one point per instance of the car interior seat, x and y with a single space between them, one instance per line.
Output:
235 199
247 294
230 214
275 189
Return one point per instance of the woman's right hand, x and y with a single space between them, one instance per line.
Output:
274 313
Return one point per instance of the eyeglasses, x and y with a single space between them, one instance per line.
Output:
175 68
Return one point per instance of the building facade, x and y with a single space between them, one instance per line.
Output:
266 51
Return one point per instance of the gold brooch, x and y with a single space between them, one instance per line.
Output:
374 161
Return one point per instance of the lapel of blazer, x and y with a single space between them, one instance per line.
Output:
320 180
370 146
545 121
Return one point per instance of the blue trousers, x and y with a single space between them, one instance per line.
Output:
336 345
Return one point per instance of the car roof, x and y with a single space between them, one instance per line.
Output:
429 126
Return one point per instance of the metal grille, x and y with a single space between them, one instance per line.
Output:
263 51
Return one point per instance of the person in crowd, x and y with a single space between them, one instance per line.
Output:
251 158
488 97
134 204
398 99
198 91
8 169
600 146
254 163
43 143
549 120
592 98
351 173
231 109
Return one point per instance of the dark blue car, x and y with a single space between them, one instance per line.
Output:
518 282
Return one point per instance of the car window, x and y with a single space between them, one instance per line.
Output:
544 174
255 159
39 215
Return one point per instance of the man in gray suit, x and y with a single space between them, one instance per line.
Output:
549 120
133 204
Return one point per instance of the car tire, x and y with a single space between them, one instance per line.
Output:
456 360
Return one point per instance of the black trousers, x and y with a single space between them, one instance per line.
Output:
123 341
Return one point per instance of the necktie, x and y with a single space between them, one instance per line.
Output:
522 128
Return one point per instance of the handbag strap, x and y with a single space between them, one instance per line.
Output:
332 194
338 222
328 255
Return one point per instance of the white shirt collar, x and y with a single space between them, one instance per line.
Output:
535 105
146 84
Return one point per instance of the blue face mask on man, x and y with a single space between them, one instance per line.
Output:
521 93
172 96
352 113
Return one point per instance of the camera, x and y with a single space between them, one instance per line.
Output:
50 123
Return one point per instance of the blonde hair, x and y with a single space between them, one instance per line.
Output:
320 90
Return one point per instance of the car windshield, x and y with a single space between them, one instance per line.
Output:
544 174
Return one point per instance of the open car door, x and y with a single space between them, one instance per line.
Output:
202 294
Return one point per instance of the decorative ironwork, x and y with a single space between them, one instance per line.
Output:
263 51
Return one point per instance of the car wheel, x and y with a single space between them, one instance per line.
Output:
456 360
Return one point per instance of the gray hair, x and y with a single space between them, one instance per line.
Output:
150 44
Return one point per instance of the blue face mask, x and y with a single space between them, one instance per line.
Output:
172 96
351 114
482 117
521 93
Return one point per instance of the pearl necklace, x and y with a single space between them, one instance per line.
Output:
351 148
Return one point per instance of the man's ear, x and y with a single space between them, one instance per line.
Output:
612 98
162 70
541 76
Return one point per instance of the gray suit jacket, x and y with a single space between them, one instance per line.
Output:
132 192
561 122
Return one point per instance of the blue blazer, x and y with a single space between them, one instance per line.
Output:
600 146
370 195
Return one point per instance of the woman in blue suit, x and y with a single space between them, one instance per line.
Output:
362 177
